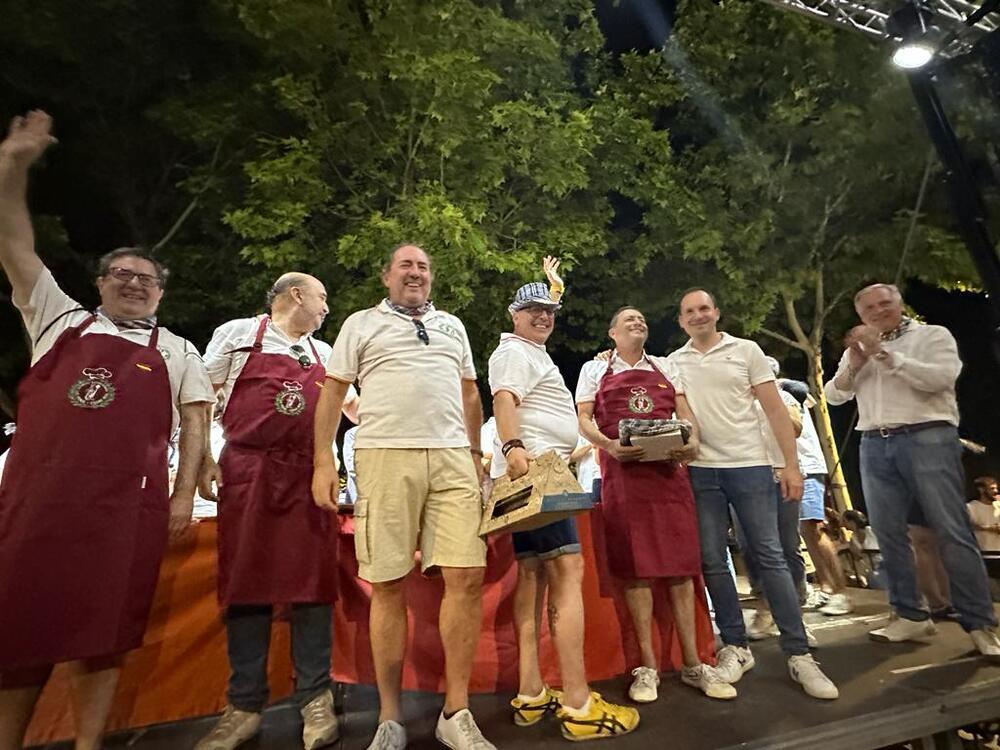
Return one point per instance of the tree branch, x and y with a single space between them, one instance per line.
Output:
784 339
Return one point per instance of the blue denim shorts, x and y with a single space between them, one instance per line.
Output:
812 499
547 542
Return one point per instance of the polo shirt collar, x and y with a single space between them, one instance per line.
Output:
507 336
726 340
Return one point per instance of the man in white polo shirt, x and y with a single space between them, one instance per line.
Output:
723 376
903 376
418 467
534 414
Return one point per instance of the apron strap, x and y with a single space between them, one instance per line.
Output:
154 336
315 353
258 340
58 317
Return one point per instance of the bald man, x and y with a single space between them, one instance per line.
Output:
276 547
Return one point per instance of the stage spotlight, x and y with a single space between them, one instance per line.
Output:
919 41
911 56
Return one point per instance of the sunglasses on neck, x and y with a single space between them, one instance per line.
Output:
422 331
302 358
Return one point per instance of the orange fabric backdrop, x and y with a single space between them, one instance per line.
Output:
181 670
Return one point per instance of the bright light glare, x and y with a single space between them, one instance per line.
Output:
912 56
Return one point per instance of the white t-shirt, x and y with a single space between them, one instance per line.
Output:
592 372
720 391
985 515
412 391
915 383
186 372
774 454
587 468
488 436
224 365
811 458
545 408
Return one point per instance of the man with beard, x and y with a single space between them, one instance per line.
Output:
85 509
418 467
276 547
903 376
534 414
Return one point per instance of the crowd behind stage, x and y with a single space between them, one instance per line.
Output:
110 393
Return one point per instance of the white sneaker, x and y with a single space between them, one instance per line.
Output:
708 680
805 671
232 729
390 735
901 629
762 626
461 733
837 604
817 598
987 642
644 683
319 722
733 663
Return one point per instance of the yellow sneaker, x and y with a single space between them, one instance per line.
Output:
527 713
603 719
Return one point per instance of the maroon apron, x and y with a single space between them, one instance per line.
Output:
275 545
648 513
84 502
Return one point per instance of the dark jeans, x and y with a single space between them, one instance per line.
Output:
788 533
750 492
248 636
924 469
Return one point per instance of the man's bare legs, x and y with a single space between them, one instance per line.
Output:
932 578
823 554
387 625
565 610
682 603
92 694
16 707
528 599
639 598
459 622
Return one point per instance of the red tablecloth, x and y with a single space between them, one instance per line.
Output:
181 669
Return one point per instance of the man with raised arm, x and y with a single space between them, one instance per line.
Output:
85 509
417 459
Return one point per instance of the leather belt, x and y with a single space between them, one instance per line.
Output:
885 432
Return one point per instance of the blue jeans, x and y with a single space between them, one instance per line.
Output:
248 640
750 492
788 534
924 468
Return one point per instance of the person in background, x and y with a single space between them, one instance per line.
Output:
984 512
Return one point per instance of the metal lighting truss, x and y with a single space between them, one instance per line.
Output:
872 17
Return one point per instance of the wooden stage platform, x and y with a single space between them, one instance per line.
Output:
890 693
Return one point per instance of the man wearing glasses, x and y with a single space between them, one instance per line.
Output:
418 469
85 509
535 413
275 546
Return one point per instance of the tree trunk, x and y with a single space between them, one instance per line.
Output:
824 429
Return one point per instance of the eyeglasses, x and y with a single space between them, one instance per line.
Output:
124 275
422 331
303 359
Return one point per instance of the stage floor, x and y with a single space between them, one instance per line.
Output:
889 693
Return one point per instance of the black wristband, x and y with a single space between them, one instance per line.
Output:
511 445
